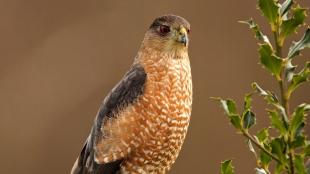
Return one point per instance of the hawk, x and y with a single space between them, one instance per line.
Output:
141 124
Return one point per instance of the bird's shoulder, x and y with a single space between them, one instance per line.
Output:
126 92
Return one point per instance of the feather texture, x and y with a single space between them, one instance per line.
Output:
123 94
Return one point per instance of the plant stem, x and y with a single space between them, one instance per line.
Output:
284 97
278 46
250 137
290 153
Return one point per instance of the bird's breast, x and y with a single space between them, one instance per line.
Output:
149 133
164 113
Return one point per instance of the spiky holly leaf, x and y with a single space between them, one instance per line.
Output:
270 10
307 150
278 148
299 130
248 119
263 135
298 119
280 168
299 141
277 122
226 167
282 112
230 109
299 164
270 97
299 79
270 61
285 7
265 159
259 90
235 120
258 33
247 101
229 106
304 42
289 26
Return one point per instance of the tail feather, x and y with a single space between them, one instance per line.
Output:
85 163
80 165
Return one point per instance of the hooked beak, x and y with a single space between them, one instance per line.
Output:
182 36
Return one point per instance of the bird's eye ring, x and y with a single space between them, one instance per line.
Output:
163 29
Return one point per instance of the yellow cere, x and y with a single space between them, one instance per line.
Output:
183 30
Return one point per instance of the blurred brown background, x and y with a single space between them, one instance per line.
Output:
58 60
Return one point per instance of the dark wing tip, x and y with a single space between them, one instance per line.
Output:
85 164
108 168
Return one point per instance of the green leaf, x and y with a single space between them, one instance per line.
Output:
231 111
304 42
270 61
235 120
298 119
307 150
285 7
229 106
259 90
289 26
299 130
247 101
258 33
270 97
270 10
299 79
265 159
278 148
226 167
299 164
279 168
248 119
277 122
282 112
263 135
299 141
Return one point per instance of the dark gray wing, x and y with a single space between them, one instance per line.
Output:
124 93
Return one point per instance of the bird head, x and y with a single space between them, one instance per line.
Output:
168 33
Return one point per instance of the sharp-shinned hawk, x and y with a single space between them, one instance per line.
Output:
141 124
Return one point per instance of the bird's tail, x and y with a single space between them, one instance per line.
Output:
85 163
79 166
74 169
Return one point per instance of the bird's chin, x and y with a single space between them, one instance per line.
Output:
175 44
177 51
178 46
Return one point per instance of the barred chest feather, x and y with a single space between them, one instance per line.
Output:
151 132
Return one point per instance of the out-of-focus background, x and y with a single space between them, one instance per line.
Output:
58 60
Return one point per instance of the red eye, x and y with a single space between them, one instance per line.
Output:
163 29
188 31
